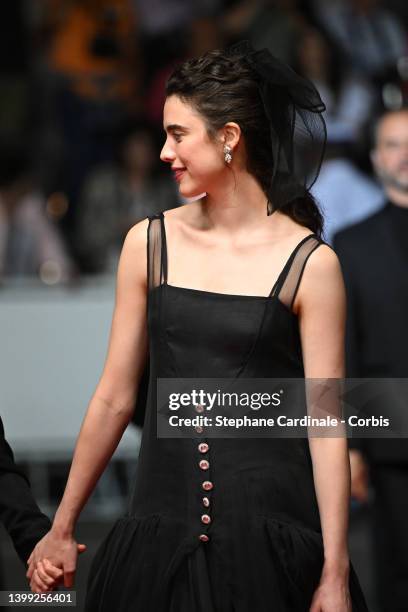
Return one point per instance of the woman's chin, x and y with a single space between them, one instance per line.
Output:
191 194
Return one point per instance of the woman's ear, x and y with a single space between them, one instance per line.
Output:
231 134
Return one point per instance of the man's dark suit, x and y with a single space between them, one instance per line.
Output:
375 269
19 512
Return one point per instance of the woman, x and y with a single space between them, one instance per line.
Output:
222 524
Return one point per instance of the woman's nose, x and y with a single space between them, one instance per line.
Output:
167 154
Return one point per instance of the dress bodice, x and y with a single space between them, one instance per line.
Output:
208 334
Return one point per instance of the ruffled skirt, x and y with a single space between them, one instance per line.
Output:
152 564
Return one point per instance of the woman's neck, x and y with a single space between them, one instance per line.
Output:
234 207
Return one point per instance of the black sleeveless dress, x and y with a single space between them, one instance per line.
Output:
241 530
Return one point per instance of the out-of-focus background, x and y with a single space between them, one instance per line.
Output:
81 97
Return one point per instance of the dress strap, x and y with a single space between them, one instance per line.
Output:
288 282
156 251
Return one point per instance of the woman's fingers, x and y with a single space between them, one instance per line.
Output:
69 576
52 570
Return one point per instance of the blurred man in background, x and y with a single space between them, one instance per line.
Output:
374 258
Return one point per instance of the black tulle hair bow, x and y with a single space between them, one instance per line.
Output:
293 108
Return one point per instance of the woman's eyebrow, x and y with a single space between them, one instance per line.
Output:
173 127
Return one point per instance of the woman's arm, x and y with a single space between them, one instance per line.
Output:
111 405
321 305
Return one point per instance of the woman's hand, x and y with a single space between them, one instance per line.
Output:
332 594
56 551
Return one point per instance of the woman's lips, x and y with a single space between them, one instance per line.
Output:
178 174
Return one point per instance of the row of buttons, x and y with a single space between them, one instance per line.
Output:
207 485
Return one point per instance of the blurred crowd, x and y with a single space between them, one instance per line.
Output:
81 97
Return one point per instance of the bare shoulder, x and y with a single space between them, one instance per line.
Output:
135 244
137 234
322 280
133 258
323 262
136 238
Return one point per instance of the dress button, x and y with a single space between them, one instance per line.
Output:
205 518
199 408
199 429
204 464
203 537
203 447
207 485
206 502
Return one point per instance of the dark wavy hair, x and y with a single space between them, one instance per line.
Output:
223 88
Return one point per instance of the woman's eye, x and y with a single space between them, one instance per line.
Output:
177 137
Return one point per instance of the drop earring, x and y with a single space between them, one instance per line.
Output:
227 154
